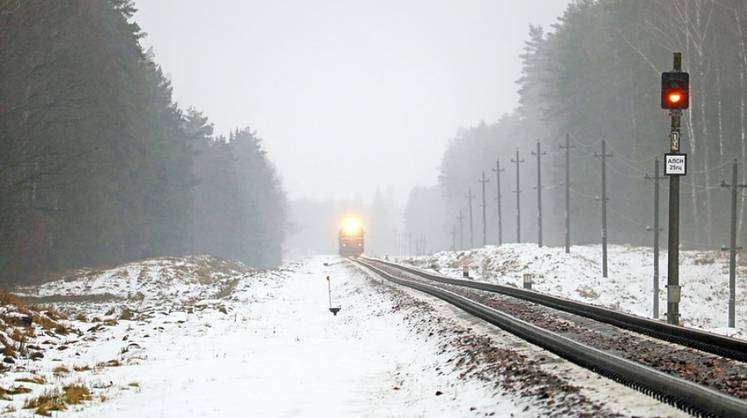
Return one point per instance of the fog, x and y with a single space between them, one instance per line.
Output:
348 96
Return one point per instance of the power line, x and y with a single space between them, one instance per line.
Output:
590 146
634 167
623 217
622 174
582 194
718 167
629 160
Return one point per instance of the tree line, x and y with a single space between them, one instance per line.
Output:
596 74
99 165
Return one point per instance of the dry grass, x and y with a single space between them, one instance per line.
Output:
17 335
110 363
82 368
75 394
46 403
126 314
227 290
38 380
97 298
43 321
60 371
51 312
9 351
18 390
57 400
62 330
7 298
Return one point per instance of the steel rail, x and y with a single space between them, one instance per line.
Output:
705 341
678 392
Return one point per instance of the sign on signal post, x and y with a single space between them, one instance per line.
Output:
675 164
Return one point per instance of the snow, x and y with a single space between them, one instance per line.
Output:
628 288
159 278
276 351
200 336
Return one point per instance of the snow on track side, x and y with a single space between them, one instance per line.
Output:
550 385
628 288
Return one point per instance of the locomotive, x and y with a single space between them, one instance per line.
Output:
350 238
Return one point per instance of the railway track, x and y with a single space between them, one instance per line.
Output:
679 376
705 341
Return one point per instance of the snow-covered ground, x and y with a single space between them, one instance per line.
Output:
629 287
200 336
195 337
289 356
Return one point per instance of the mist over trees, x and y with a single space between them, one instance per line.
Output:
596 74
99 165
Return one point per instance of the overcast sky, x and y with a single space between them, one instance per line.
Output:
349 96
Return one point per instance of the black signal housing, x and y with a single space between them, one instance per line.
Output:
675 90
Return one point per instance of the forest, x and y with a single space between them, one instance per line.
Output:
594 76
99 165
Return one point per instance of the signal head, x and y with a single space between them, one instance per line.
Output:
675 90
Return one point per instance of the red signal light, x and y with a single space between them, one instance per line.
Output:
675 90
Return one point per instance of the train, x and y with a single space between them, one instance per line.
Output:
350 238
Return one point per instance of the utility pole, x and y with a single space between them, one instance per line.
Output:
604 155
733 241
567 148
471 224
460 218
497 171
484 209
539 155
518 161
453 238
656 178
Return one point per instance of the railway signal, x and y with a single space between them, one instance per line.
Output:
675 90
675 97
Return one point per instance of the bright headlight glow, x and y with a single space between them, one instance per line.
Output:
351 226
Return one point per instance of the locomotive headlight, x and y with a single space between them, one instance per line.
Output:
351 226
